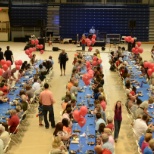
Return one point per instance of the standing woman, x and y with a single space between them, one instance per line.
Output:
83 42
63 58
117 119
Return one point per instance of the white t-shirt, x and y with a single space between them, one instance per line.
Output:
140 127
36 86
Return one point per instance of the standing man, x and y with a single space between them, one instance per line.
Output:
8 54
63 58
47 100
1 54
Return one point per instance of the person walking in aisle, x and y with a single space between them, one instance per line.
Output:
83 42
8 54
47 100
117 119
63 58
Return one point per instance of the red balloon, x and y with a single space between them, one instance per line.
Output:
16 62
133 49
87 63
34 49
82 122
18 67
83 110
27 52
146 64
150 65
40 46
89 43
20 62
90 48
36 42
140 50
30 56
87 40
3 62
85 77
30 50
139 44
5 67
8 63
32 41
95 58
94 63
87 82
37 46
41 51
76 115
100 61
126 38
132 40
150 72
1 72
94 36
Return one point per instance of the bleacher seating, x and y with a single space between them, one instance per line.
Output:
77 19
27 16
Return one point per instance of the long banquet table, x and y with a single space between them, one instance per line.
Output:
14 93
87 132
142 85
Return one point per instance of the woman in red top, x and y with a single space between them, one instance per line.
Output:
117 119
83 42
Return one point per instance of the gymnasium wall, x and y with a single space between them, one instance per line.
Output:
77 19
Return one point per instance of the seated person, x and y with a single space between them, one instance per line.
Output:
147 138
74 89
99 150
23 103
149 149
4 135
106 143
110 123
33 59
36 85
99 120
58 146
143 108
66 126
13 121
4 88
64 104
109 133
140 125
20 74
29 92
3 98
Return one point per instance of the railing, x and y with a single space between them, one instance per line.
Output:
103 2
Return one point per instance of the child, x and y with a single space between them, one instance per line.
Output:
40 114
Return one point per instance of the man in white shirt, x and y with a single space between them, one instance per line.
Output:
140 125
99 120
4 135
92 30
36 85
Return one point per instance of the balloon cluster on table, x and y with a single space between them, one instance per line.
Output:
79 115
32 49
91 42
6 64
129 39
90 73
137 49
150 67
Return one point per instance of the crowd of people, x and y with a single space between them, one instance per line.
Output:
141 119
104 125
31 89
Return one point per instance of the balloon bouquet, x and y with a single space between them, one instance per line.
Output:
6 64
32 49
150 67
91 42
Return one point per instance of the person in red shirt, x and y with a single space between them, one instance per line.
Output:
13 121
100 150
4 88
110 123
83 42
